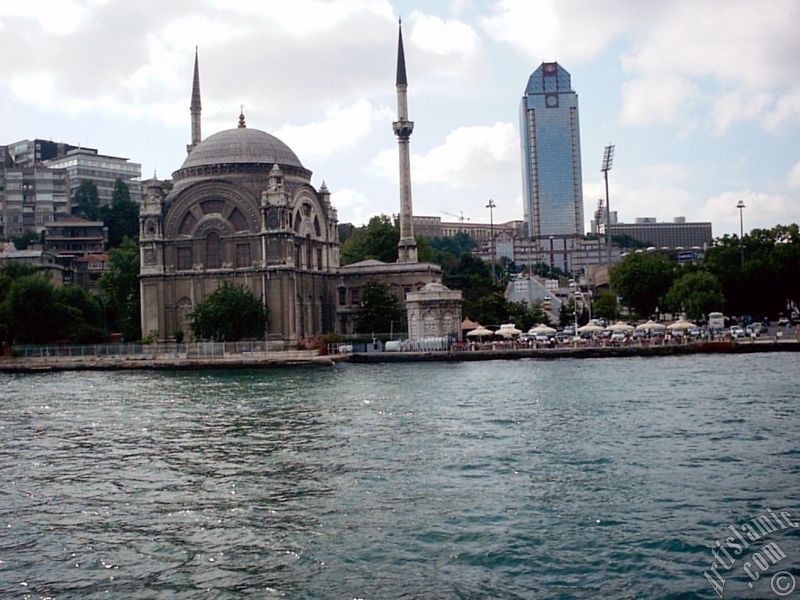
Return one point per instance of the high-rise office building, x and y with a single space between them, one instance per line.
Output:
551 156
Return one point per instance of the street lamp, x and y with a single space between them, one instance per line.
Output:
491 206
608 161
740 206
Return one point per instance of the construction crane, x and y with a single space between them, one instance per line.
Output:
460 217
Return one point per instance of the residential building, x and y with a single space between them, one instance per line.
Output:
102 169
73 236
30 196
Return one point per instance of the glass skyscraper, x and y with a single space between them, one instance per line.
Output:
551 155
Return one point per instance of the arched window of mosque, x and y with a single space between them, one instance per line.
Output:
213 247
238 220
306 209
317 230
297 222
188 223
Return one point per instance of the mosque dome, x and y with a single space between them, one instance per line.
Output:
242 145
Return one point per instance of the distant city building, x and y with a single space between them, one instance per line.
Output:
434 227
551 155
31 197
42 260
675 235
88 269
38 178
74 236
103 170
28 153
599 218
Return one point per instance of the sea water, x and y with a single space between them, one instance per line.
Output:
595 478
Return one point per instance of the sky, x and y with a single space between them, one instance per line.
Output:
701 98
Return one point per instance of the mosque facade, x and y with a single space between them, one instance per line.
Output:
243 211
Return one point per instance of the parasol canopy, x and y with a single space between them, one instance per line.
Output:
620 326
681 324
649 326
480 332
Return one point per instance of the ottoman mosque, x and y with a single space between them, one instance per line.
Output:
242 210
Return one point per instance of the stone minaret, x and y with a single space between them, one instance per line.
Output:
407 247
195 107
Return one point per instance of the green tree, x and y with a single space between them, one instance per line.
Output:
85 201
379 312
82 321
30 311
27 237
231 313
768 280
525 316
697 293
377 240
122 216
605 305
120 289
642 281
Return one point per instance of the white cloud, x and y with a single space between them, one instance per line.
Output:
785 110
551 30
733 107
435 35
466 158
762 211
305 18
353 206
793 180
342 129
647 100
744 53
59 17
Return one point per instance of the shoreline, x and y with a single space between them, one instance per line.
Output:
311 359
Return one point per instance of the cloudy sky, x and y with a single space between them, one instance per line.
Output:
701 98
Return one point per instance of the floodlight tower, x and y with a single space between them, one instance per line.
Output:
608 161
741 206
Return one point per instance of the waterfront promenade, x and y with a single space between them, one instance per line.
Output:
249 355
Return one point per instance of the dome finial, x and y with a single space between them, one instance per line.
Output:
242 124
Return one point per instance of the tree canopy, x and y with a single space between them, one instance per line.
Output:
85 201
120 289
34 311
642 281
695 292
379 312
121 216
377 240
231 313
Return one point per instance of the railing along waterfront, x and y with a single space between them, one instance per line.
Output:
160 350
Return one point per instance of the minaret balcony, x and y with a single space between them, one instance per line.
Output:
403 129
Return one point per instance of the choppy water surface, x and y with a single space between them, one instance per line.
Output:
550 479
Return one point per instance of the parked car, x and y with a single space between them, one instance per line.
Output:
737 332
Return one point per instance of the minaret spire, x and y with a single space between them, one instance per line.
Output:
195 108
407 247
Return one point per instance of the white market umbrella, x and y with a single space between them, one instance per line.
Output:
480 332
541 329
649 326
508 330
681 324
590 328
620 326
